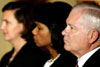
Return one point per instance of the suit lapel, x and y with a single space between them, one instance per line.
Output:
93 60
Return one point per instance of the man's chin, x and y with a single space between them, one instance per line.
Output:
66 47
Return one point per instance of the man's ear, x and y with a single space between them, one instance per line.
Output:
93 36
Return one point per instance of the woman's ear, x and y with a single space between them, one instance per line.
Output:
21 26
93 36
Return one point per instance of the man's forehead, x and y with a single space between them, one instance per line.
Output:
73 16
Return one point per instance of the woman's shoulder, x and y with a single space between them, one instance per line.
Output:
65 60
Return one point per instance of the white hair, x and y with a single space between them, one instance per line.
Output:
90 16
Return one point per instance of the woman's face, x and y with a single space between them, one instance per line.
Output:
42 35
10 26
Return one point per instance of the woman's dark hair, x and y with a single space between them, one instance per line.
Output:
54 16
24 15
14 5
34 2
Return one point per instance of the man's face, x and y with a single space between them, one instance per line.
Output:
75 38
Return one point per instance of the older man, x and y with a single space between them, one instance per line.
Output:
81 36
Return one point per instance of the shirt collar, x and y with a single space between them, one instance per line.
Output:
85 57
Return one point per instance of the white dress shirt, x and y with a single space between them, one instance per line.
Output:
85 57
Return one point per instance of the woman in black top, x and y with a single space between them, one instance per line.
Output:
51 20
17 25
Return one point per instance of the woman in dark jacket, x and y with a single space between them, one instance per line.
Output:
51 20
17 25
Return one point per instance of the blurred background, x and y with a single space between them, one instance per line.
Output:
6 46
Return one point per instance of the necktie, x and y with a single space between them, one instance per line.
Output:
76 65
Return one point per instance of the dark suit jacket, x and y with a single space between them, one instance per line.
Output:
94 60
29 56
65 60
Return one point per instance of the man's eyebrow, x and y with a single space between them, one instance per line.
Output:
71 25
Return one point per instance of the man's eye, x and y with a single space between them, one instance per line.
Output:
71 27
